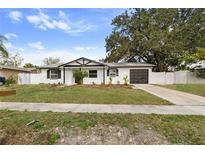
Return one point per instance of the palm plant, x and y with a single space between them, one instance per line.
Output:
3 50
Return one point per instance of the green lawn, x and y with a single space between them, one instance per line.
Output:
177 129
197 89
82 94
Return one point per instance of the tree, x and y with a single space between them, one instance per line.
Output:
12 60
196 62
51 60
198 56
157 36
29 65
3 50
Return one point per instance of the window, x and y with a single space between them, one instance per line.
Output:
54 74
92 73
113 72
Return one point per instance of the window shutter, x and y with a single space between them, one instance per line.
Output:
117 72
107 72
48 74
59 74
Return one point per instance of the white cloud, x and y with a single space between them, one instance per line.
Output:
15 16
10 35
36 45
90 48
10 46
78 48
86 48
43 21
62 22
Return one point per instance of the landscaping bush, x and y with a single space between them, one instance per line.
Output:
110 80
11 80
125 80
200 73
79 75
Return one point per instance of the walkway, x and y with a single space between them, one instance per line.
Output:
173 96
146 109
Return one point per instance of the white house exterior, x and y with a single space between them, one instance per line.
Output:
98 73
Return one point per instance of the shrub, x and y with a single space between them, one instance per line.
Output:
125 80
110 80
87 123
79 75
53 138
200 73
11 80
118 82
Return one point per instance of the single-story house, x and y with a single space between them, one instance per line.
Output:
7 71
98 73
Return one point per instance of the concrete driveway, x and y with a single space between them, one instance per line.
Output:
173 96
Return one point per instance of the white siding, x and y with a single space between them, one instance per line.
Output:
180 77
123 72
42 78
97 80
69 79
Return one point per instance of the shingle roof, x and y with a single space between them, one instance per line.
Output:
129 65
14 68
122 64
51 66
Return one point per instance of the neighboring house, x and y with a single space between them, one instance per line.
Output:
98 73
7 71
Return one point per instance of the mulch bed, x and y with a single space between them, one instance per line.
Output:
7 92
104 86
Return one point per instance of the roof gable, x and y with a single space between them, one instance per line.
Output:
82 62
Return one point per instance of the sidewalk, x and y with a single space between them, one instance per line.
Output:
146 109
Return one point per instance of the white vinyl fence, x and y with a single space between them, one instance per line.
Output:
179 77
24 78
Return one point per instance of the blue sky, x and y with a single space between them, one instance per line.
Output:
64 33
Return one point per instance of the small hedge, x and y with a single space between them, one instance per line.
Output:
79 75
11 80
199 73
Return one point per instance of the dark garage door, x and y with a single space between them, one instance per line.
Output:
139 76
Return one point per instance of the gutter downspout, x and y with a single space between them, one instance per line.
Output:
63 75
103 74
